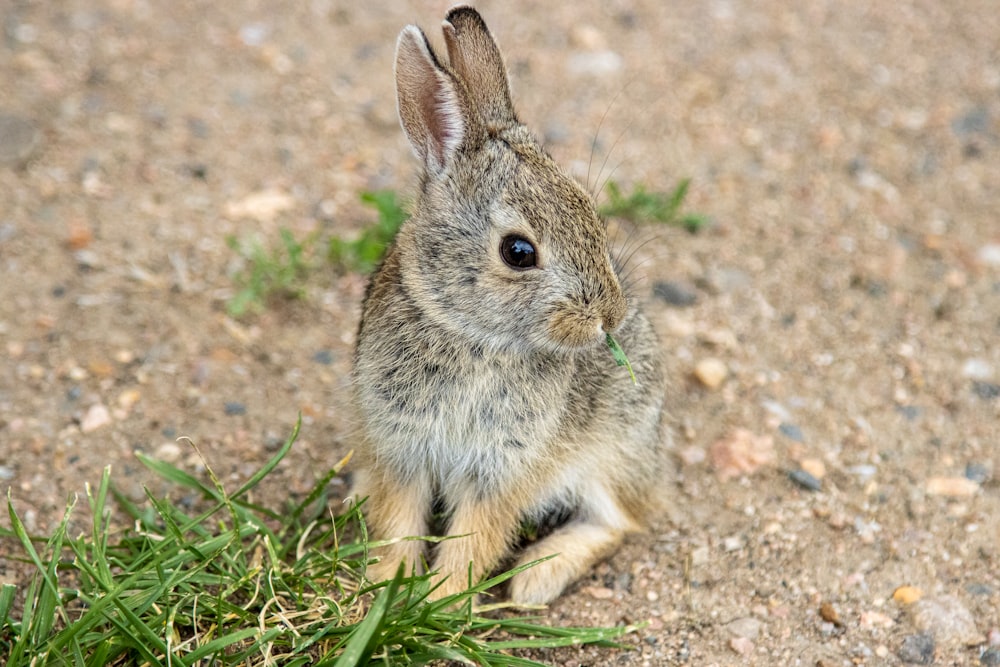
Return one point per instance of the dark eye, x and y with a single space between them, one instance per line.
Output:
518 252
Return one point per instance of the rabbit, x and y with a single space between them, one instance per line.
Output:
482 372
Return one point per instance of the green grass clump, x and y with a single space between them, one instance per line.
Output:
239 584
643 206
268 273
365 252
282 271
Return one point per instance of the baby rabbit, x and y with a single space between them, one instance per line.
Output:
482 372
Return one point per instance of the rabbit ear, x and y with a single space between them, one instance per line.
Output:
474 56
431 106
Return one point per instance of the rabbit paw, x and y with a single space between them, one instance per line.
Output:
542 583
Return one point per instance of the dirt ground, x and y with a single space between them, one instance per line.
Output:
847 153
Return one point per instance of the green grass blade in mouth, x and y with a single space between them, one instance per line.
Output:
619 355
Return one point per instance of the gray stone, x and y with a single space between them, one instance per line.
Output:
19 139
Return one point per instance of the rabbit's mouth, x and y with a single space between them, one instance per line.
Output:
574 330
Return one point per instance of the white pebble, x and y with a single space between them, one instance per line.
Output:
990 254
169 452
96 417
977 369
745 627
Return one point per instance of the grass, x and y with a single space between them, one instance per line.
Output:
365 252
268 273
239 584
619 354
641 205
281 272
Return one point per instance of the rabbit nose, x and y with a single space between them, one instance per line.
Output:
614 313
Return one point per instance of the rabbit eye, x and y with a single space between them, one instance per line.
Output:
518 252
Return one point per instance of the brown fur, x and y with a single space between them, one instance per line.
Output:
487 388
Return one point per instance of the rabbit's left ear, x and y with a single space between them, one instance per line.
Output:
475 58
432 106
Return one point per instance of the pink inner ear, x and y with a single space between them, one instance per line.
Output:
443 119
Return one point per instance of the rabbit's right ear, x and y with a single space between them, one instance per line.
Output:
431 105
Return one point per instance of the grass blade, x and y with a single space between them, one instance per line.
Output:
360 645
619 355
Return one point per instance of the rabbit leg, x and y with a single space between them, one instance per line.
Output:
397 511
483 530
577 546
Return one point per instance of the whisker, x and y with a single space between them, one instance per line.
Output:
597 134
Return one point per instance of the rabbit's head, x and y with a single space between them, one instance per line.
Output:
503 247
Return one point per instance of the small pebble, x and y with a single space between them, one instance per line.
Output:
979 473
732 543
128 398
976 588
947 619
324 357
792 431
951 487
692 455
711 372
907 594
741 645
829 614
170 452
233 408
778 410
96 417
594 63
598 592
989 254
254 34
917 650
675 294
747 627
986 390
990 657
725 280
863 472
6 473
19 139
814 467
588 37
740 453
973 121
874 619
262 206
700 556
805 480
977 369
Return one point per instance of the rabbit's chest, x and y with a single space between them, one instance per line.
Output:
475 426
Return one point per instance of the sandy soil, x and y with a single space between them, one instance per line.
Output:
848 154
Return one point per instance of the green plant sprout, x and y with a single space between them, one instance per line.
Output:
364 253
643 206
267 274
